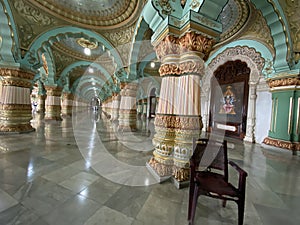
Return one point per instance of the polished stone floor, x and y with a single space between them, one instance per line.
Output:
83 171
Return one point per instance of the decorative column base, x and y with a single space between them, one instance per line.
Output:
285 145
53 112
127 120
173 147
15 118
41 104
53 103
66 110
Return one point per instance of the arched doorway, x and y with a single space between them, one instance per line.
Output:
229 111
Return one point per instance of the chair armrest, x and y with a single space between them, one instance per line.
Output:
242 175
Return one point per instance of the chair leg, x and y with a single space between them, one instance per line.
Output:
193 206
191 195
241 208
224 203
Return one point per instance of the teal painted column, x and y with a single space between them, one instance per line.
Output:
284 127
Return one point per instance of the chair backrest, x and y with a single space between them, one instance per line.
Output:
210 154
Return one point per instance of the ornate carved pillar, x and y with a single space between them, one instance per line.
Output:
67 104
178 117
127 112
41 104
115 106
250 131
15 104
53 103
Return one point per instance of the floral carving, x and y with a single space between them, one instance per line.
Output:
179 122
191 41
168 46
189 67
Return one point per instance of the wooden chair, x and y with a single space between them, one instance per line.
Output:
212 181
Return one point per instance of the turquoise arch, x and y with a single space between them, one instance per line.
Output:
140 30
45 40
68 69
86 79
279 32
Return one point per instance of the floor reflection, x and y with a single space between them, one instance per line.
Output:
82 170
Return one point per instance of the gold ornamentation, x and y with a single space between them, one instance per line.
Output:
161 169
195 68
181 174
53 90
16 77
292 12
284 82
258 29
190 42
85 43
168 46
45 66
16 128
16 107
98 17
179 122
279 143
165 6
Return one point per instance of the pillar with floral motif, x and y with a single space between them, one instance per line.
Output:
178 115
41 104
15 104
127 112
53 103
67 104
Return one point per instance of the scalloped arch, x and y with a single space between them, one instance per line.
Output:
44 41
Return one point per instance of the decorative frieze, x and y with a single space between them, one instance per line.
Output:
179 122
191 67
16 77
288 81
280 143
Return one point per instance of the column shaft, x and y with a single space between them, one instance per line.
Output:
53 103
15 104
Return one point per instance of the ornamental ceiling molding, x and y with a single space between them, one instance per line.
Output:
93 18
292 9
258 29
239 11
27 17
120 36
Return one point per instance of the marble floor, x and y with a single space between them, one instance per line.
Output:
83 171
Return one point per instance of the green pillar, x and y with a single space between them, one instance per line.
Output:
284 127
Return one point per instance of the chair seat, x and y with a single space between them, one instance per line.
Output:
214 183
